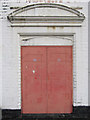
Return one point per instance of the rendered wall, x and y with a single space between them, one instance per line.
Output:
11 58
0 59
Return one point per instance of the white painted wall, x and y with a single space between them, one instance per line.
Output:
0 58
11 60
57 1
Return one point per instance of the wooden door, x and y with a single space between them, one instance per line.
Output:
60 79
33 74
46 79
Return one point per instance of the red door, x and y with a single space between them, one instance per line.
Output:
33 65
59 79
46 79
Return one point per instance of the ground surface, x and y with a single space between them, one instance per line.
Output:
82 113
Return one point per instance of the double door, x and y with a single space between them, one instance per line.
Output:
46 79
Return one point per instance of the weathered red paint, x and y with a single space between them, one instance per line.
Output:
46 74
34 96
60 79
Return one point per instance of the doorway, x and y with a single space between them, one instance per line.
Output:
46 76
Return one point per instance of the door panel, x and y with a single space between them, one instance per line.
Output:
59 79
34 96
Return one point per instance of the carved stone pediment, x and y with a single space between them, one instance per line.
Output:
46 13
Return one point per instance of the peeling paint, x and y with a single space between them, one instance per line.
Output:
54 27
51 27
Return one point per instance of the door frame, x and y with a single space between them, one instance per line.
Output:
23 35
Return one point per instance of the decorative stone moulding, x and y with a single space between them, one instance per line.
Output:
46 13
